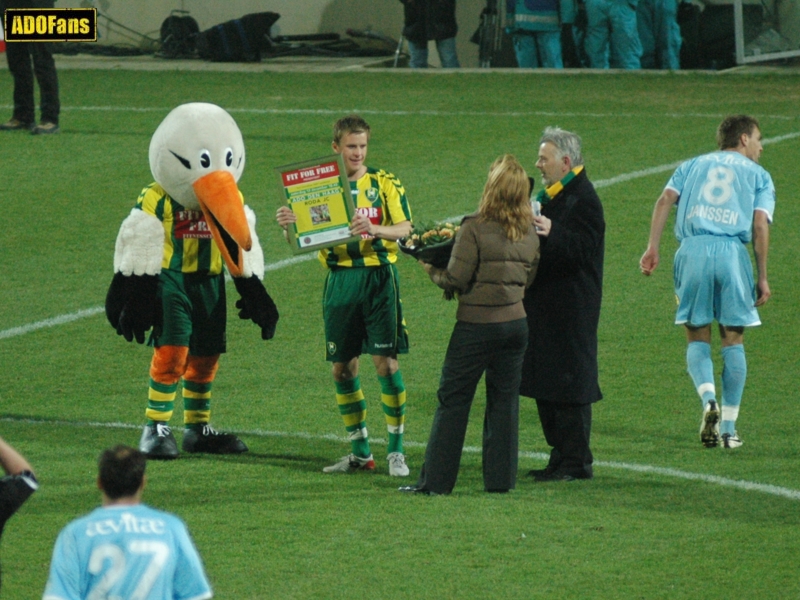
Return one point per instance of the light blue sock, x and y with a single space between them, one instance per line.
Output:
701 370
734 374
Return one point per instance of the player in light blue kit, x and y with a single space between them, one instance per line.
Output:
725 200
125 550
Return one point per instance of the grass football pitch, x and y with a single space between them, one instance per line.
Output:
663 518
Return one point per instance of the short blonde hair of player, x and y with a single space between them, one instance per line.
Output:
347 125
506 197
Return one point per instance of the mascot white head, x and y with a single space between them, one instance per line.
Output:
197 156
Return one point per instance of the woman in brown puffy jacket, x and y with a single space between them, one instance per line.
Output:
494 259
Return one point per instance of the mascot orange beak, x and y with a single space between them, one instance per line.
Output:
222 206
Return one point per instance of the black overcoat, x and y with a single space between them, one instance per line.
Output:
563 304
429 20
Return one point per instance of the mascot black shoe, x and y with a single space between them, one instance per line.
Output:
158 442
212 441
171 253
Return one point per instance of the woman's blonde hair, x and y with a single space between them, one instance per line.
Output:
506 197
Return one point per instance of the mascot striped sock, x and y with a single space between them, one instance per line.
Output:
353 409
160 402
734 374
701 370
197 382
196 404
393 401
166 369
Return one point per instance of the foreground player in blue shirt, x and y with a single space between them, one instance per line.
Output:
125 549
725 200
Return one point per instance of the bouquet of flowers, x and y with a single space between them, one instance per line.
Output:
431 243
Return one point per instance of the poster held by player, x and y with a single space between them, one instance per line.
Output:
318 193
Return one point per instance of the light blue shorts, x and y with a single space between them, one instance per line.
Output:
714 281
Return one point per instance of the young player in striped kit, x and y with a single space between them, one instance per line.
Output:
361 300
725 200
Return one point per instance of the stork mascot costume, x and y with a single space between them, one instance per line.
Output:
168 272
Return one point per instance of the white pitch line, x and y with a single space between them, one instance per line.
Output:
59 320
723 481
68 318
413 113
747 486
672 166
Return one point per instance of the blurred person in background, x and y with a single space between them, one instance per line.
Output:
427 20
20 55
659 34
612 34
536 30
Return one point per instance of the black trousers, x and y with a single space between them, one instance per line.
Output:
19 56
496 349
567 428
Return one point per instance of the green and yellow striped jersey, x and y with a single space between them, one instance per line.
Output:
188 244
381 197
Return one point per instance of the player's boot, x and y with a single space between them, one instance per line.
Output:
397 464
731 440
350 464
709 426
211 441
158 442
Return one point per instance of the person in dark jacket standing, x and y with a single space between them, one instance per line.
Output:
19 56
563 308
17 485
494 259
431 20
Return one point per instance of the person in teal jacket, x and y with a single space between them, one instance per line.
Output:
535 27
612 34
660 34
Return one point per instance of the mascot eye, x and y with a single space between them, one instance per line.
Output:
228 157
205 159
183 161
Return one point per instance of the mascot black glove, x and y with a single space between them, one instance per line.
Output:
132 305
257 305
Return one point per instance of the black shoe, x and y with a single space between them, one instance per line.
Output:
539 472
14 125
559 475
45 127
211 441
158 442
497 491
412 489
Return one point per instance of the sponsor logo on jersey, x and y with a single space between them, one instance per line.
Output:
374 214
127 523
50 24
191 224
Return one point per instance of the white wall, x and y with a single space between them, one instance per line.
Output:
297 17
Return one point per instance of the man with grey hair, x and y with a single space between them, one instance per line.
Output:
563 307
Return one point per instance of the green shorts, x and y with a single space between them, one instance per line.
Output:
195 313
363 313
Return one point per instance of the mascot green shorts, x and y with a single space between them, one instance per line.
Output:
363 313
194 312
